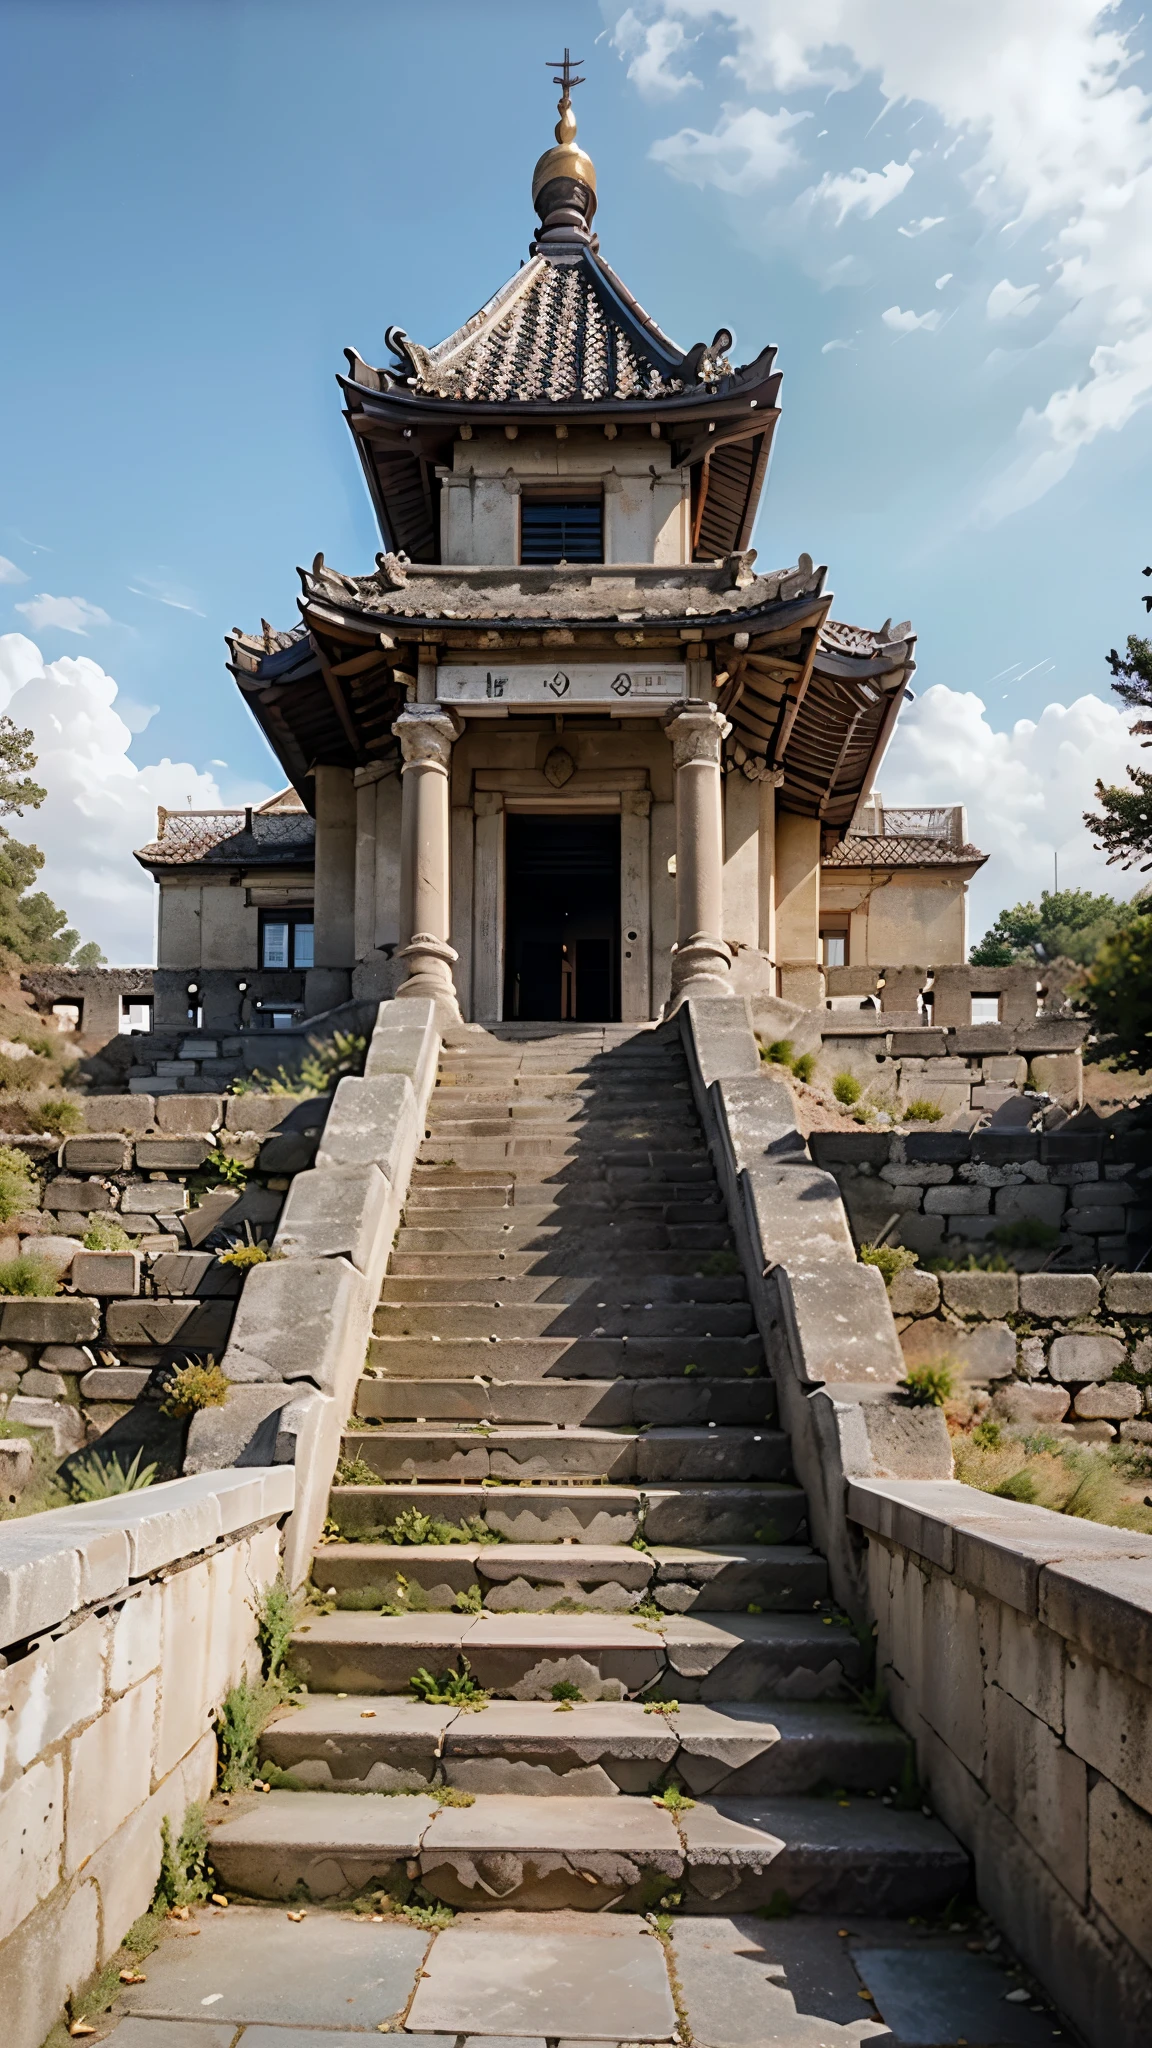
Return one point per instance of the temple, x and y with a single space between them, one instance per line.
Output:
569 751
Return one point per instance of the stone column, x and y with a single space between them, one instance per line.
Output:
701 963
635 906
798 909
330 981
488 908
426 735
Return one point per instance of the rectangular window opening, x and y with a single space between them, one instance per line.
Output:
286 939
562 529
985 1009
834 945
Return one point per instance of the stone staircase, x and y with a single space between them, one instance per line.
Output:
566 1370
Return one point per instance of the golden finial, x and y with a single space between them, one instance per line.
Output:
566 125
567 161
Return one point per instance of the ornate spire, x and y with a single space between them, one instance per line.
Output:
564 181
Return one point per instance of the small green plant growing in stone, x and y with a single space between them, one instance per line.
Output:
104 1234
185 1874
871 1701
471 1600
240 1722
779 1907
922 1111
99 1478
780 1053
244 1256
19 1188
57 1114
451 1689
199 1384
928 1386
412 1526
661 1706
566 1692
223 1169
889 1259
275 1623
846 1088
804 1066
28 1275
647 1610
987 1435
356 1472
673 1800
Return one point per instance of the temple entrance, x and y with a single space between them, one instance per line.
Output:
562 932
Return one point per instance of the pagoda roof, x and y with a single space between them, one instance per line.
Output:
277 834
562 343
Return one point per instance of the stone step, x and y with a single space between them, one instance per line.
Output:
587 1318
547 1090
622 1291
601 1404
536 1358
594 1750
574 1119
605 1656
582 1241
537 1577
589 1206
516 1147
556 1261
511 1850
592 1513
473 1452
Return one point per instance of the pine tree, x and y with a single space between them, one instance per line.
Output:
1123 825
32 928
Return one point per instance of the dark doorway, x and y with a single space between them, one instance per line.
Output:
562 946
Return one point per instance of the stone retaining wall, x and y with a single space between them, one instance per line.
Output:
1016 1647
122 1626
1069 1350
948 1191
179 1061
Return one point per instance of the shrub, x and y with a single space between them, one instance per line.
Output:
846 1088
1018 1486
27 1274
99 1478
185 1878
104 1234
781 1052
223 1168
804 1066
199 1384
240 1722
243 1256
58 1114
928 1386
921 1111
19 1188
275 1622
889 1259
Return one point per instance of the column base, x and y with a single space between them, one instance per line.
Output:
700 967
429 962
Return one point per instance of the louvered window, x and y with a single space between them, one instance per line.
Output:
561 530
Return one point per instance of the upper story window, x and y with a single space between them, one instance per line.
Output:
286 938
562 529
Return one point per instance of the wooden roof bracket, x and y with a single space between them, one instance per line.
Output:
810 639
339 701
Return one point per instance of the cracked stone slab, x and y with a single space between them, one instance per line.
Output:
350 1652
554 1563
544 1853
845 1856
595 1750
602 1985
927 1995
259 1967
329 1843
365 1743
784 1656
135 2033
786 1984
525 1656
775 1749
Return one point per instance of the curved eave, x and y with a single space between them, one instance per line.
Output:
321 611
403 408
877 871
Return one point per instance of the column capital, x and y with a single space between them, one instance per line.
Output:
426 735
696 735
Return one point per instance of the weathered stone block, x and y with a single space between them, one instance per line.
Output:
64 1422
239 1145
32 1828
109 1154
119 1112
957 1200
69 1358
115 1383
951 1148
1108 1722
1005 1148
370 1122
179 1155
60 1319
188 1116
1041 1786
1084 1358
1094 1222
1068 1148
83 1197
980 1039
337 1211
980 1294
301 1319
919 1233
15 1467
260 1113
1129 1293
106 1273
1120 1864
1115 1401
1061 1075
56 1252
195 1325
1007 1070
984 1351
1059 1294
153 1198
198 1273
913 1293
109 1771
1046 1204
1016 1402
243 1432
1104 1194
1024 1659
45 1386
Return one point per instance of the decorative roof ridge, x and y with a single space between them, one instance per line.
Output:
440 354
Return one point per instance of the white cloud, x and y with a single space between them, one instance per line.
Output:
921 227
862 192
745 150
652 46
942 281
907 323
100 805
9 573
70 614
1012 301
830 345
1055 137
1026 789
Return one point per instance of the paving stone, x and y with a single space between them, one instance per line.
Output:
788 1984
331 1845
325 1970
606 1985
930 1996
138 2033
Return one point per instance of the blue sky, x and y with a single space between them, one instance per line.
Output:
206 199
